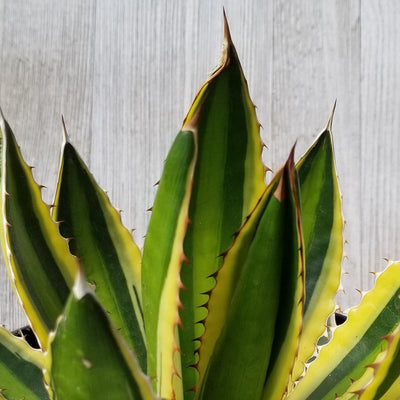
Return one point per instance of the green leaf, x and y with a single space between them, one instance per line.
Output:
229 275
266 254
356 343
40 265
162 259
385 382
228 181
20 369
109 256
291 301
322 224
88 357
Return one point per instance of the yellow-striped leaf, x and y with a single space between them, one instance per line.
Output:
110 258
262 275
88 358
20 369
228 181
322 223
40 265
356 343
162 261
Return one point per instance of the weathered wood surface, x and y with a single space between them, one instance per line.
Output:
123 74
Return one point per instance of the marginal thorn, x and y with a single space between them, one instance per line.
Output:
184 259
180 323
362 292
374 366
150 209
183 287
266 169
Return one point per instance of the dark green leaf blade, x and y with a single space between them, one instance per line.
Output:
40 265
228 277
322 224
356 343
385 381
291 302
88 357
240 363
162 259
110 258
20 369
228 181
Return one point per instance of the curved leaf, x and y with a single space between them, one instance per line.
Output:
385 384
40 265
109 256
20 369
356 343
87 356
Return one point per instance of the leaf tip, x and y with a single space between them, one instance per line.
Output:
65 133
3 122
330 120
228 48
80 288
227 33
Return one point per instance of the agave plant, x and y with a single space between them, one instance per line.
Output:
232 296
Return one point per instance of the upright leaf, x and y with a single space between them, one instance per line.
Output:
268 266
162 259
40 265
88 357
20 369
108 254
229 275
322 223
291 297
228 181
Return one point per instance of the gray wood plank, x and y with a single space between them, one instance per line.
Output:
45 63
380 140
124 74
316 60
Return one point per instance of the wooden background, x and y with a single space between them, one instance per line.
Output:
123 73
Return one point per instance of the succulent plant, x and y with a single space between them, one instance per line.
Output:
234 293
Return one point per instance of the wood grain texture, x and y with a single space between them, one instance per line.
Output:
124 73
